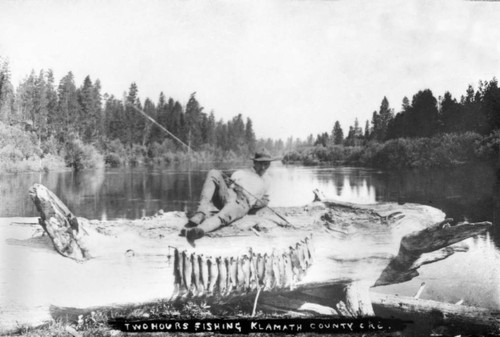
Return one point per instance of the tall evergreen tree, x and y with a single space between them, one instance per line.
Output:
250 136
193 121
68 109
7 97
451 115
89 121
490 107
114 112
424 115
150 110
380 121
337 134
135 123
52 104
367 130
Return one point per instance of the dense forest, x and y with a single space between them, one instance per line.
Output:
426 132
44 124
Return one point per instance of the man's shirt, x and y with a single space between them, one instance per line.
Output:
254 186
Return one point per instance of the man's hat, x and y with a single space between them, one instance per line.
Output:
263 155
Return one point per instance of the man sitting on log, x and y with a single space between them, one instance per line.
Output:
223 200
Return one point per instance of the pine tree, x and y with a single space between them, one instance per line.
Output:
490 106
367 130
135 123
7 97
193 121
381 120
337 134
150 110
250 136
157 135
99 113
67 109
424 115
89 118
115 127
450 115
52 104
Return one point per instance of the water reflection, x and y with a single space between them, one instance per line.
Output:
293 186
471 193
467 193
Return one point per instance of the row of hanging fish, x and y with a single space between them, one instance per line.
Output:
198 275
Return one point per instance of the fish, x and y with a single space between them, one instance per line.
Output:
276 271
188 270
260 269
182 287
204 271
196 274
287 262
310 248
295 263
300 254
222 268
232 267
213 272
281 267
305 253
268 274
245 267
254 280
177 271
240 274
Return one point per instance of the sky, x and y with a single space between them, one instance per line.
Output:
293 67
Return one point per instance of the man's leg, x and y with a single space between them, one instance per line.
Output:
214 195
232 211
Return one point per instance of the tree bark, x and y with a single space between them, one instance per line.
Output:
445 312
66 232
429 245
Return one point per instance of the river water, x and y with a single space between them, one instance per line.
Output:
469 193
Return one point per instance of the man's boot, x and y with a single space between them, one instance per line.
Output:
194 221
194 234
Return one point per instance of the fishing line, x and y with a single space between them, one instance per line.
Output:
145 115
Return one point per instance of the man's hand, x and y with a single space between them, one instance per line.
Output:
263 202
237 188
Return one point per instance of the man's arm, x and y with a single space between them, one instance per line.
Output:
263 202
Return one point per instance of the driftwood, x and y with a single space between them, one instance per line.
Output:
426 246
396 241
66 232
439 312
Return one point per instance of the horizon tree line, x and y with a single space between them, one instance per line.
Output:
425 116
59 113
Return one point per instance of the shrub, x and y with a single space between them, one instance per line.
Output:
25 143
82 156
137 154
488 148
113 160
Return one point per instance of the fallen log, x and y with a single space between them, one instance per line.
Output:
440 313
67 233
355 247
429 245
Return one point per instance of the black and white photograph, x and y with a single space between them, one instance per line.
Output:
262 168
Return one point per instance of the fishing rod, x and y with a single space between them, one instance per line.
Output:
145 115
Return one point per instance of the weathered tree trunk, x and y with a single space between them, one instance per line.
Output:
66 232
333 289
426 246
445 312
